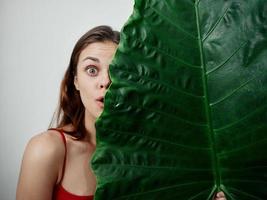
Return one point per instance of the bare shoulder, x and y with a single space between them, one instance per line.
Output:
41 163
46 145
44 151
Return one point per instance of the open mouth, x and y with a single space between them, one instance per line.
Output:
100 101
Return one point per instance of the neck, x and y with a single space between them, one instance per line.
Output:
89 123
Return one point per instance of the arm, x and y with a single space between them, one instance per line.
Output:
42 161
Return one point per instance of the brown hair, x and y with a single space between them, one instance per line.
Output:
71 109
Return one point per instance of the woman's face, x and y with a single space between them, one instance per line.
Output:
92 78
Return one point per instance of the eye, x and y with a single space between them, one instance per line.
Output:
92 70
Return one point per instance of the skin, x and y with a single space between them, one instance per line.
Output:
42 162
220 196
92 79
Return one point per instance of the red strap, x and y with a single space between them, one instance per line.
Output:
65 145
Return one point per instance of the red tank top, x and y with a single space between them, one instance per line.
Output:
60 193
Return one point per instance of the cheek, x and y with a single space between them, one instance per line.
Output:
86 93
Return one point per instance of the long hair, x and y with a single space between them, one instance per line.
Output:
71 109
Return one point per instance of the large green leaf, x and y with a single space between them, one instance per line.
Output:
186 113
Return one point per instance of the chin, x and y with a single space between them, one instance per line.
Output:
98 114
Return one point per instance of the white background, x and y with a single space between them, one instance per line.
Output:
36 40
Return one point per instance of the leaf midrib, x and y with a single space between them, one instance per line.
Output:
214 156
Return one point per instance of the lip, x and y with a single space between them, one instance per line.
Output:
100 101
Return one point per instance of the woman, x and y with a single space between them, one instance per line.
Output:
50 169
55 163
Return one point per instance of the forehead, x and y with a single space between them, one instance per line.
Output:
100 50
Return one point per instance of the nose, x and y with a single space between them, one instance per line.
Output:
105 81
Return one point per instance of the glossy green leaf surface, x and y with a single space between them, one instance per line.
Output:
186 114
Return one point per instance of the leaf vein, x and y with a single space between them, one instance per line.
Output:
226 61
177 59
159 140
198 194
159 82
173 24
149 167
162 189
241 119
245 193
241 148
216 24
232 92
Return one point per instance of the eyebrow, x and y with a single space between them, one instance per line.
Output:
91 58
